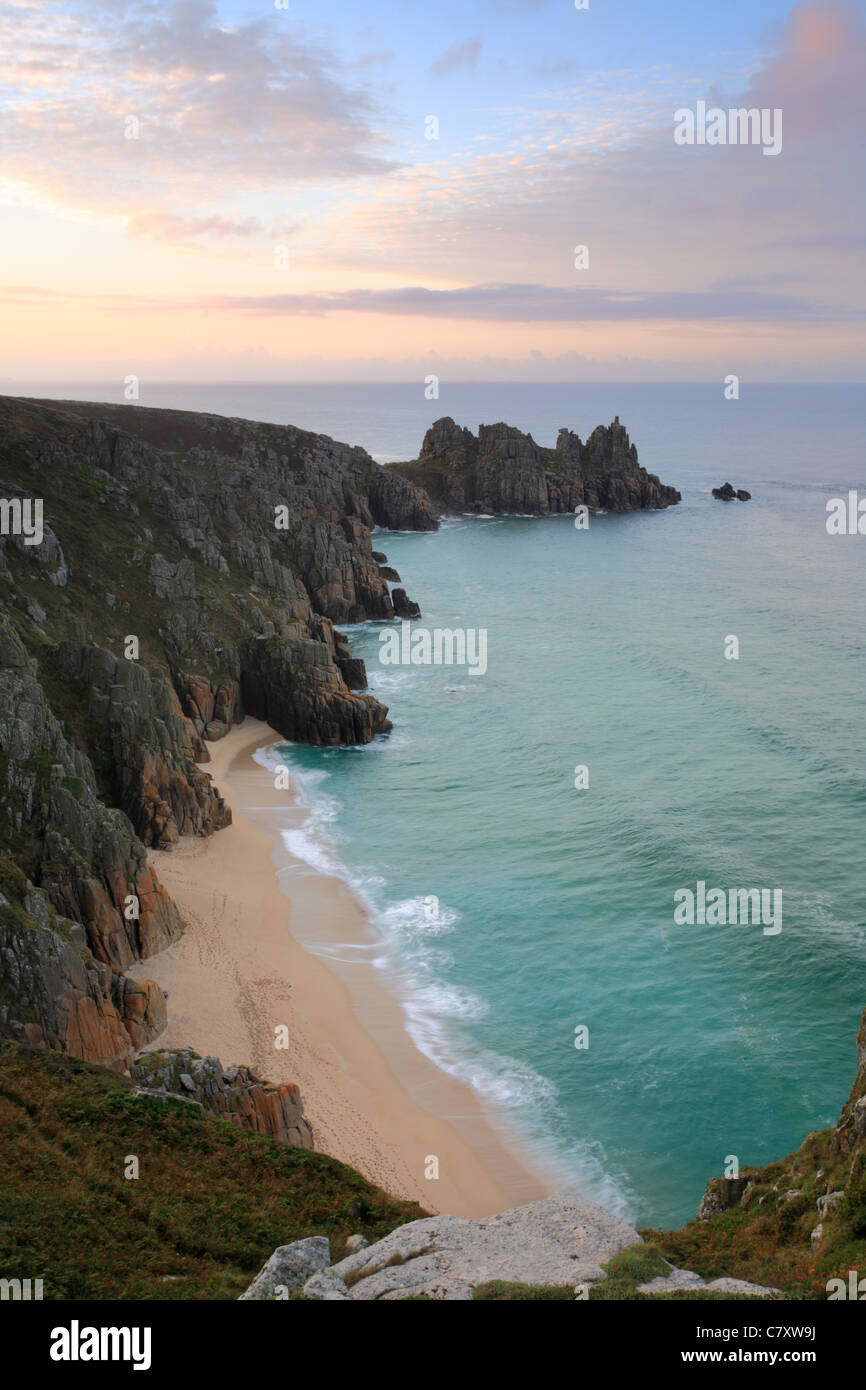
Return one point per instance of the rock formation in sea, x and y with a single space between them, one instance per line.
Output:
503 470
728 493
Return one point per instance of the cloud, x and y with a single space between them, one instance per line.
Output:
556 67
823 241
171 228
459 55
249 107
375 58
595 163
818 74
492 303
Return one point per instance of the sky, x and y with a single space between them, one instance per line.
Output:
326 190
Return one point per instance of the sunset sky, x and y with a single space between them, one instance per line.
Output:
268 135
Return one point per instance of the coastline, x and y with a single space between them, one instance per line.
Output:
239 971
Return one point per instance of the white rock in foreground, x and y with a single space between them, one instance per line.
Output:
558 1241
686 1279
289 1268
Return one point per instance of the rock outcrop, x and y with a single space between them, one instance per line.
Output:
237 1093
296 686
503 470
728 493
289 1269
152 747
721 1194
404 607
557 1241
851 1129
54 993
83 854
685 1280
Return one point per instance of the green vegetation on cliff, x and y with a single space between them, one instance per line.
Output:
767 1237
209 1207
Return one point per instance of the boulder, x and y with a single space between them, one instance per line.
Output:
356 1243
557 1241
326 1288
828 1203
288 1269
686 1280
403 605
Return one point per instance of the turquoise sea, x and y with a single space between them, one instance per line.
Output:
554 905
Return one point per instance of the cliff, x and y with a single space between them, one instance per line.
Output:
503 470
188 570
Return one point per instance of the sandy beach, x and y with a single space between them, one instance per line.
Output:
239 972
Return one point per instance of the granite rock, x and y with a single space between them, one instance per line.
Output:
288 1269
557 1241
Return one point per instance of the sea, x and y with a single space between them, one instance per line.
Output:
669 698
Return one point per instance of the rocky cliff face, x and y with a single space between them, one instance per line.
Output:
55 993
79 901
504 470
189 570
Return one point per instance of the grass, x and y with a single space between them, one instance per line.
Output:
624 1273
502 1291
211 1203
767 1239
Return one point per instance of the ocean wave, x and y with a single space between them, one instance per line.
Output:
438 1013
387 682
307 846
418 917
